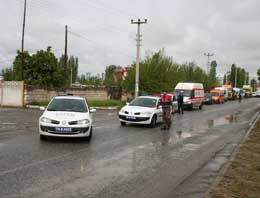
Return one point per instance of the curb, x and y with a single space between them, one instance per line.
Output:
224 169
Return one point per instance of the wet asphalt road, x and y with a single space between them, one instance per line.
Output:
131 161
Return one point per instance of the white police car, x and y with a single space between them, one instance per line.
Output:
66 116
142 110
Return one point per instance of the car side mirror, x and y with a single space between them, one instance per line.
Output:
42 108
127 103
92 110
159 106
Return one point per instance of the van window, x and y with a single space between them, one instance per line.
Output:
192 94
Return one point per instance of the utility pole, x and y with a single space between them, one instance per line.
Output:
138 45
65 54
22 50
208 64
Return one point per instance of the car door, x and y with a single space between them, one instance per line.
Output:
158 110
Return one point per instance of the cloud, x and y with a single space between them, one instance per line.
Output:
185 29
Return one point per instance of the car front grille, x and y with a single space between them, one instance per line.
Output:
73 130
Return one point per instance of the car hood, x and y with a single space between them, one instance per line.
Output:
136 109
65 116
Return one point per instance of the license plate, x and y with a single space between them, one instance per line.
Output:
131 117
61 129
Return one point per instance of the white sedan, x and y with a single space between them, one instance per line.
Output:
142 110
66 116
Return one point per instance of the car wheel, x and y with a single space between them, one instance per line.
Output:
42 137
153 122
123 123
88 138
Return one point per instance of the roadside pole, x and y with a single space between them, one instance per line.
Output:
138 40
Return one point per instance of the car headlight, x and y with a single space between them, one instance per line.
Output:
121 111
85 121
46 120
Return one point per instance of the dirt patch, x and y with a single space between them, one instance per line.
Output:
242 178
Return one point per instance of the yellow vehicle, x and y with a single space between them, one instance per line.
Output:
248 90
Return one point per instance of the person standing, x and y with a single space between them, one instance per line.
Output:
239 97
166 106
180 102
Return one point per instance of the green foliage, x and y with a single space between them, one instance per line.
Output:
242 76
109 75
258 74
106 103
73 64
89 79
159 73
253 83
43 70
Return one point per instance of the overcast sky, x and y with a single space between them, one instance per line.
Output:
100 32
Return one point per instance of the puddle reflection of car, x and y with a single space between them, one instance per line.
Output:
66 116
146 110
208 99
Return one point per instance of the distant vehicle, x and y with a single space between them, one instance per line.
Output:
257 93
66 116
248 90
229 87
142 110
217 96
253 94
225 90
208 98
193 94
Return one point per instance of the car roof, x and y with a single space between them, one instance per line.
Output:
151 97
69 97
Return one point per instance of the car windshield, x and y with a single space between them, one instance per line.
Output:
215 94
144 102
186 93
62 104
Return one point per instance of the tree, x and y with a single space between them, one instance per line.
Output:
258 74
7 74
17 65
253 83
225 79
43 69
109 75
159 73
73 63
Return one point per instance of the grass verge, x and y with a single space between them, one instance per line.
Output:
242 178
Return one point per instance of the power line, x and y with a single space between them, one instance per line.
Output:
95 42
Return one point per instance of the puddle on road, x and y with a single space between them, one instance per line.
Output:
227 119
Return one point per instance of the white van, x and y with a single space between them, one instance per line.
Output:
193 94
225 90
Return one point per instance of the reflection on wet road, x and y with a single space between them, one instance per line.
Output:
131 161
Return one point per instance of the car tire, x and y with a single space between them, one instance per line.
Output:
88 138
200 107
123 123
43 137
153 122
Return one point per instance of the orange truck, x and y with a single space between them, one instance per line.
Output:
217 96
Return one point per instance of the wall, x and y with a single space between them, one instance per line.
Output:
11 93
33 93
